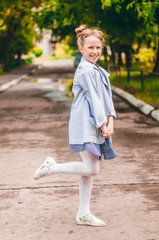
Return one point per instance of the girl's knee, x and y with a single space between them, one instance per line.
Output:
95 169
91 162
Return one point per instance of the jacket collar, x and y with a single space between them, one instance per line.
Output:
102 70
83 60
104 74
95 66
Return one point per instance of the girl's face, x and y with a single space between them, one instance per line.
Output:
92 49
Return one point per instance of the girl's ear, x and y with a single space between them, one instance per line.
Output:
81 49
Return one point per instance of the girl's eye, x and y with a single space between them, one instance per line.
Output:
90 47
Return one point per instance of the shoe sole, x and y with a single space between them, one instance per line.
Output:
78 222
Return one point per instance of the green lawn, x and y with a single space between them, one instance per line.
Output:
150 91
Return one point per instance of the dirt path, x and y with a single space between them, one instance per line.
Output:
32 127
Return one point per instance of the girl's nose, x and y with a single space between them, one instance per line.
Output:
94 50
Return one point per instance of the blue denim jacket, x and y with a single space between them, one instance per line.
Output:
92 104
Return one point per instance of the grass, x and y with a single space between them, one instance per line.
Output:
150 91
1 71
50 58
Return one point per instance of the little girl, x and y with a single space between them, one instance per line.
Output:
91 122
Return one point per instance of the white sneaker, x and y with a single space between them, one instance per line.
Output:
96 222
47 164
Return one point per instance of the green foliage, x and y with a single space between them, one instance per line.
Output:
64 16
122 25
118 18
126 22
145 9
46 14
69 85
108 3
135 22
68 88
37 51
145 56
22 40
17 29
62 51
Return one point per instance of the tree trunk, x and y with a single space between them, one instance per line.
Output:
19 56
139 45
127 50
156 68
7 51
120 63
112 47
6 59
105 53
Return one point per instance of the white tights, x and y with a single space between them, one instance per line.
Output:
87 169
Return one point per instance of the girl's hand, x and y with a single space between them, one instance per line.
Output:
107 131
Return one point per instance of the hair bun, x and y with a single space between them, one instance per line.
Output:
80 29
83 32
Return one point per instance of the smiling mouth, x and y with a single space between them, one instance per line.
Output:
94 56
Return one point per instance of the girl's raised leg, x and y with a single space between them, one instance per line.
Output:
88 167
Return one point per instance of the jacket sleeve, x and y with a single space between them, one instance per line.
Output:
94 97
112 110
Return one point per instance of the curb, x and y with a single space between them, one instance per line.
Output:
11 83
155 114
15 81
141 105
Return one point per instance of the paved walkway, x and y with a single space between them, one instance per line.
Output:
34 125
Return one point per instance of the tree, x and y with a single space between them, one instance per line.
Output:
156 67
120 23
124 27
16 29
148 10
64 16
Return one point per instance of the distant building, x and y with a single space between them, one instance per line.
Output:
45 43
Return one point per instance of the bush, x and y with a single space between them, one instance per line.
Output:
62 51
37 51
69 84
29 60
145 56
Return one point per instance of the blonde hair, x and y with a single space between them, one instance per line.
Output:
82 32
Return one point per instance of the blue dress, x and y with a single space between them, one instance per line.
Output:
97 149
